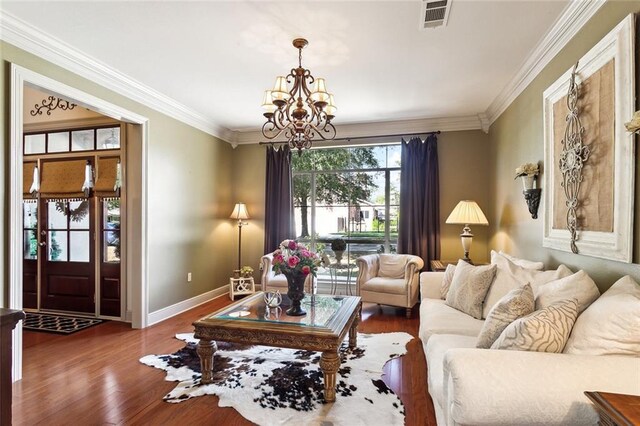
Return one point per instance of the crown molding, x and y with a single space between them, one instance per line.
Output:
382 128
572 19
33 40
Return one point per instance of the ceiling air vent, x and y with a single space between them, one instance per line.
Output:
434 13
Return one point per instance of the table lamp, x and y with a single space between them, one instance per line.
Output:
240 213
467 213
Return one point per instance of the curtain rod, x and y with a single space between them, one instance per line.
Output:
437 132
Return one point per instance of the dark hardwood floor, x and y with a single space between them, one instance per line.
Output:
93 377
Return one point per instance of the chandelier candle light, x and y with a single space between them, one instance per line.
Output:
467 213
301 114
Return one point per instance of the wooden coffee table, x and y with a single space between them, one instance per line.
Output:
248 321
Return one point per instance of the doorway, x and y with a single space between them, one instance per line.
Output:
135 250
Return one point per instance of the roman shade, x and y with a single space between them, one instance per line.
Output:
63 179
27 179
107 181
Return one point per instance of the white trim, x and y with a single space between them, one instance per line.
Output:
19 77
33 40
180 307
572 19
618 45
382 128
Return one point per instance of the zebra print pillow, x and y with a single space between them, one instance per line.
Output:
546 330
515 304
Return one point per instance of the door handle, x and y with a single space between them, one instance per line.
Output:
42 243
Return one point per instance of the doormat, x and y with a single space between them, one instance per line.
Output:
274 386
57 323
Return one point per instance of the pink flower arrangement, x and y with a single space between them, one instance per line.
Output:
292 258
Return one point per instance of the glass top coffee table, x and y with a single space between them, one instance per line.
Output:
249 321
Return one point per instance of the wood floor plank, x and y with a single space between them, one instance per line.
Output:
94 377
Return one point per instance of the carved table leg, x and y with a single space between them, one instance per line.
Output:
329 364
353 331
205 350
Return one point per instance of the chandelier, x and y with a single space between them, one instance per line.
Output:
301 114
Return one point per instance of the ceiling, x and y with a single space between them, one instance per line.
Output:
217 57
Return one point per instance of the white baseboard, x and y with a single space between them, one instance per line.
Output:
178 308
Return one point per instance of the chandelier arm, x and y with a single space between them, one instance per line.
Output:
271 132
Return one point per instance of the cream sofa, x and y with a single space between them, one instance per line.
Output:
472 386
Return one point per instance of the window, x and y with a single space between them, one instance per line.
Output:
88 139
350 193
111 230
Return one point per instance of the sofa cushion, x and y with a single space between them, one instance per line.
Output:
510 276
578 286
385 285
524 263
392 266
446 281
515 304
611 325
438 318
469 287
546 330
434 351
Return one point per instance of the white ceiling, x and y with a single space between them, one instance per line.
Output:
217 58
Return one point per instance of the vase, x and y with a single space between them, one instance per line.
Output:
527 181
295 291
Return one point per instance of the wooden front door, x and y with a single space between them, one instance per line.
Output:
67 280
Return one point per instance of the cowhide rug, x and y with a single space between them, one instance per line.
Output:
274 386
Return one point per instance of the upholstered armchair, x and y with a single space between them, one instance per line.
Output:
272 282
389 279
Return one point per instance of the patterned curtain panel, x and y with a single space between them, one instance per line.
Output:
278 198
63 179
419 227
27 179
107 172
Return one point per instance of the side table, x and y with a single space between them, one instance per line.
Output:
333 273
615 408
240 286
8 320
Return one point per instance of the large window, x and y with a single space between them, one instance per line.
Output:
348 193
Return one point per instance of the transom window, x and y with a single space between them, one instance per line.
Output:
89 139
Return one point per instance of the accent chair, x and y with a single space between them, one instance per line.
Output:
272 282
389 279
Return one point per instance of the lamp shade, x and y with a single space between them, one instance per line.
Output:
467 213
240 212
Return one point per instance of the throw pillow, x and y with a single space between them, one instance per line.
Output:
524 263
546 330
611 325
446 281
578 286
510 276
515 304
392 266
469 287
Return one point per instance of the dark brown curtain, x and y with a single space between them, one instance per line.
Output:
419 227
278 198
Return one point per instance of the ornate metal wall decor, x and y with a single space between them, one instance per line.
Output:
574 155
50 104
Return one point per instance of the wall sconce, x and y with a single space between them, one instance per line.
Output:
529 172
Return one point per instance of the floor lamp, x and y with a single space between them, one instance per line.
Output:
240 213
467 213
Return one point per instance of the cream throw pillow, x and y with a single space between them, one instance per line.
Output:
446 281
578 286
524 263
469 287
510 276
611 325
515 304
546 330
392 266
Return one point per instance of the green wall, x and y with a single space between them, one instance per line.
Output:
517 137
189 193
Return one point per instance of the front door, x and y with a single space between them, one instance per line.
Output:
67 241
